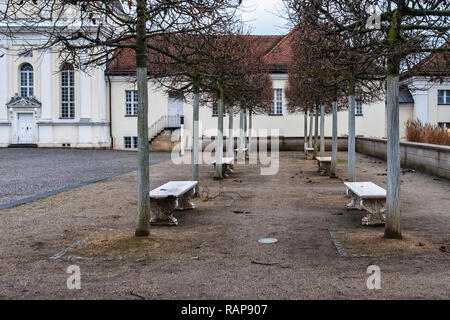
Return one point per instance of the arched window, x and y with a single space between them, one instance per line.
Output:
26 80
67 92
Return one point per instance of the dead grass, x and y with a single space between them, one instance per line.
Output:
428 133
372 242
164 243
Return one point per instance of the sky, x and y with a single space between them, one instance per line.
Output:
262 17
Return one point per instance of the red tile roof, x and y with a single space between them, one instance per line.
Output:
279 57
274 50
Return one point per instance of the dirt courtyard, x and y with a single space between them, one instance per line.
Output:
214 252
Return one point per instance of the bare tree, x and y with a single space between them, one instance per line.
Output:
95 32
401 32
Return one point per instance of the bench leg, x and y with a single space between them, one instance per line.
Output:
226 170
161 211
324 168
355 202
375 212
184 201
375 209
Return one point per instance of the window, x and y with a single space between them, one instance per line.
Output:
358 109
278 102
67 92
131 103
443 96
215 110
26 80
130 142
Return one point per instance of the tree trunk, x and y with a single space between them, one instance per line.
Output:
241 135
351 131
322 130
219 142
195 133
230 145
311 115
393 215
250 126
334 142
143 174
245 129
305 131
316 131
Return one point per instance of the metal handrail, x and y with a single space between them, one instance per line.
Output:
162 123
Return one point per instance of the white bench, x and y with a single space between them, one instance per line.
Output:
245 150
309 153
369 197
324 164
168 197
227 166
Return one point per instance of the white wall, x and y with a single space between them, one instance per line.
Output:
370 124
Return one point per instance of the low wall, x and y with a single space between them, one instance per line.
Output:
285 143
430 158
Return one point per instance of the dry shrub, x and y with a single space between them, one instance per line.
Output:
428 133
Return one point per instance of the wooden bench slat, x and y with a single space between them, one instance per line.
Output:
366 190
172 189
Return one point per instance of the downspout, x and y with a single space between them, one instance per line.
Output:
110 115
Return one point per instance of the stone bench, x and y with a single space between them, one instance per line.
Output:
369 197
245 150
168 197
309 153
324 164
227 166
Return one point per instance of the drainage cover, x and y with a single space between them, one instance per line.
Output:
267 240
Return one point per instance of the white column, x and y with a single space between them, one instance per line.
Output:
102 94
85 92
3 83
46 86
85 130
4 129
421 105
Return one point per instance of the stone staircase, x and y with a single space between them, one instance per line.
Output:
166 141
164 134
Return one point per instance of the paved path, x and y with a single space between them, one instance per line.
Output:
29 172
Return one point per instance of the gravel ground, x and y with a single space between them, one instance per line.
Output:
27 172
296 206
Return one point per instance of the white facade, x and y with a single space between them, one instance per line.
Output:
371 123
46 125
103 108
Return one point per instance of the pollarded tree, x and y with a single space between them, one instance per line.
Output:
360 72
97 30
402 32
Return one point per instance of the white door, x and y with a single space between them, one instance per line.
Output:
175 111
26 128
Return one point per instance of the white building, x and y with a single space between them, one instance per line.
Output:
48 104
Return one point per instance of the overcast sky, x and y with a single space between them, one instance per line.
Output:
262 17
